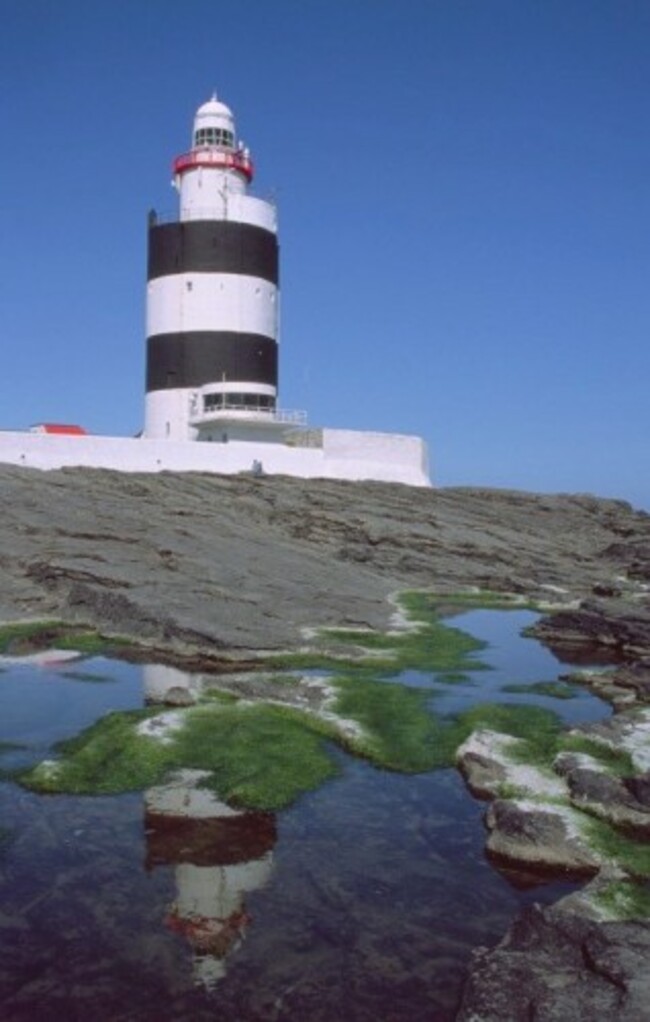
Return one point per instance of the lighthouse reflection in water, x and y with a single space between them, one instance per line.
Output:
219 854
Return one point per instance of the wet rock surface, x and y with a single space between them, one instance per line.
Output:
556 964
543 837
610 798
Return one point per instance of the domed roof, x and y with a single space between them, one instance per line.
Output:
213 108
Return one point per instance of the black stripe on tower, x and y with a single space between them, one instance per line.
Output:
212 246
194 359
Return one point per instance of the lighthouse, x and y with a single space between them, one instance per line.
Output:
212 347
212 297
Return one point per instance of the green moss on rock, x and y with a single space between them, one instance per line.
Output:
624 900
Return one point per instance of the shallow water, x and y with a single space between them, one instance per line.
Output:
513 659
361 902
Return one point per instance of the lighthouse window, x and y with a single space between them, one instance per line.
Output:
214 136
243 402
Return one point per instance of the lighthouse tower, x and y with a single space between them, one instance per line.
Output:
212 297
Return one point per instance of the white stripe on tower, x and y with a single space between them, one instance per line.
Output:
185 302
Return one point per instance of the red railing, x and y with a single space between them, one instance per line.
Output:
215 158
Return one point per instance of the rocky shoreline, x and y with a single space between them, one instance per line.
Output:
586 956
227 569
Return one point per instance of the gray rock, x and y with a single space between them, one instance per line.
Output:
483 775
556 965
206 563
609 798
618 627
639 788
540 836
178 696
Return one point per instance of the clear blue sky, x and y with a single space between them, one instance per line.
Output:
464 199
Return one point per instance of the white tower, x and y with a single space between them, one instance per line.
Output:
220 855
212 301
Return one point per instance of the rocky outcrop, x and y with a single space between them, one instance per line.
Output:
200 564
540 836
623 802
558 964
530 822
616 627
570 961
625 687
235 563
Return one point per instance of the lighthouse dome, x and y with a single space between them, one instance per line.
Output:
214 125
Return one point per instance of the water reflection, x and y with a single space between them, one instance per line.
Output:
366 907
219 856
170 686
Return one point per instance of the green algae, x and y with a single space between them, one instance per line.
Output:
399 731
24 637
258 756
426 645
13 636
538 729
626 852
106 758
265 754
624 900
615 761
553 689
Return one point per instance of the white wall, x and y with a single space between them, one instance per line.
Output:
183 302
345 454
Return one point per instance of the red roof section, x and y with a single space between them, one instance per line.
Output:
59 427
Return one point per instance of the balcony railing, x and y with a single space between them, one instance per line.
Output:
219 158
243 413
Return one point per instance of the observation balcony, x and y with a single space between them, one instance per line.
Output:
221 159
268 418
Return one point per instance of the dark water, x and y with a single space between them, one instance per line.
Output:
362 902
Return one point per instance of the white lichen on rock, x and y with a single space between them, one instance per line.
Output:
47 769
487 763
627 732
162 727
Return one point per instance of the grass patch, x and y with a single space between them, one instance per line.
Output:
305 660
616 761
625 900
400 732
259 758
539 729
553 689
430 646
452 678
627 853
14 636
263 756
436 647
32 636
105 759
